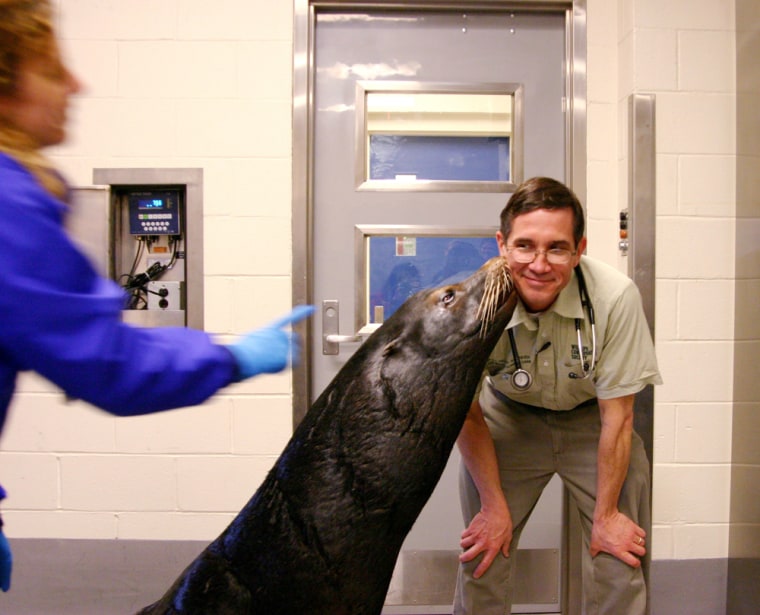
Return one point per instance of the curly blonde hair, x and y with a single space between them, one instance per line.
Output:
26 31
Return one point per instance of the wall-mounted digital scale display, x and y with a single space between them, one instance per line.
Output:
154 212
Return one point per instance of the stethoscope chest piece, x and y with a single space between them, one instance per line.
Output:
521 380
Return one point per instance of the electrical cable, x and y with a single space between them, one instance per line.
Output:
138 255
136 285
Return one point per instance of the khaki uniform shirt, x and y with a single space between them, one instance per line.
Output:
548 347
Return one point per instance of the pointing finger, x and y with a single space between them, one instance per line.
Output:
297 315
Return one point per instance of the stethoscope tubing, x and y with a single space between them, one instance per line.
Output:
589 307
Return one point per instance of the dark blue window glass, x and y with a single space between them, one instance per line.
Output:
439 158
401 266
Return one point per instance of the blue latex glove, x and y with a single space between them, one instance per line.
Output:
6 563
270 349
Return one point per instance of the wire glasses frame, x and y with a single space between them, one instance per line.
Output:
555 256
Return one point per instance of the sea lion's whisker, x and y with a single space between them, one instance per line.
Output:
498 283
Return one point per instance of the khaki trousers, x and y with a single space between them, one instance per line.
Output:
532 445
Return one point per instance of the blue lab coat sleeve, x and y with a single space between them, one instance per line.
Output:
63 320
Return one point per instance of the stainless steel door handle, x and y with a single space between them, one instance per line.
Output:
331 338
342 339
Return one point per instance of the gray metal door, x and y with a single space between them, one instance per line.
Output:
528 49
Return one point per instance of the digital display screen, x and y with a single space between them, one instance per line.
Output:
150 203
154 212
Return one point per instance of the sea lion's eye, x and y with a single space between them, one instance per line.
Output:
448 297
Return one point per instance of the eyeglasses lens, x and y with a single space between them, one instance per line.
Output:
555 256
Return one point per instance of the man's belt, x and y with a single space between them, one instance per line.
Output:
511 402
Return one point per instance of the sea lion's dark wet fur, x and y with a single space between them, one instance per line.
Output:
322 533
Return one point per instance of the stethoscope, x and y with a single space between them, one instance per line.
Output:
522 379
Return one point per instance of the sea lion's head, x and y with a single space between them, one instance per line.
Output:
476 309
408 388
427 359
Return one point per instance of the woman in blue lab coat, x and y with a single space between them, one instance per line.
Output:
59 317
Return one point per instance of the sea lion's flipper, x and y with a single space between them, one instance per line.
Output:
208 585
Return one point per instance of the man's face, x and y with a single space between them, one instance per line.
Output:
540 282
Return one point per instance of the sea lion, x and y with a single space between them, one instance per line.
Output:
322 533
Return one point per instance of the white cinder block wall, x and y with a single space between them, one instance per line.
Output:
684 53
188 83
692 72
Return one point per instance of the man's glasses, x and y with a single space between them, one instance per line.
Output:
527 254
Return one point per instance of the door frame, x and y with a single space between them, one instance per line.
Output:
302 224
304 20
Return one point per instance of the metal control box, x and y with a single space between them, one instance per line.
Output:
156 243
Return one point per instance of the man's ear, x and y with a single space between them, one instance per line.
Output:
581 250
502 243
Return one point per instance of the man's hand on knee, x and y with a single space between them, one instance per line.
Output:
620 537
489 532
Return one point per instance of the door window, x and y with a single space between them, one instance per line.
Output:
437 136
401 262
